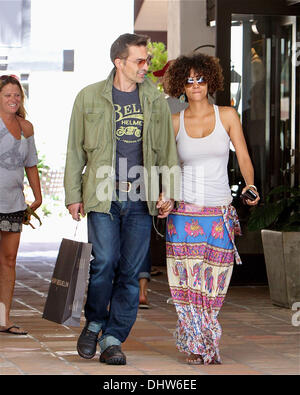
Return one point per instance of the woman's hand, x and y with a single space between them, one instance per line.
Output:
36 204
248 201
165 206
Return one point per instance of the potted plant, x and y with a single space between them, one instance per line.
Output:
279 221
159 59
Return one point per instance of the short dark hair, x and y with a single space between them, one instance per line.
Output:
119 48
204 65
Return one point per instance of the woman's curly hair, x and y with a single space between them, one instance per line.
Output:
204 65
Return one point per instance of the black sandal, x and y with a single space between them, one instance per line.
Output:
9 330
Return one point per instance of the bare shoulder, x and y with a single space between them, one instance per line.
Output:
229 117
227 112
26 127
176 122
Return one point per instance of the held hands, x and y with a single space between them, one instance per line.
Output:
165 206
75 209
248 201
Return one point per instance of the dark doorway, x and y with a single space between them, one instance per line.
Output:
257 46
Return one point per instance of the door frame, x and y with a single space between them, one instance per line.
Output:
224 10
223 13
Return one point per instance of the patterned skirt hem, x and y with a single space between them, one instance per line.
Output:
203 340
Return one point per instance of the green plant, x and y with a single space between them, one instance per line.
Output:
42 166
45 210
281 211
159 60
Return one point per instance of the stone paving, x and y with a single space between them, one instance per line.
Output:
258 337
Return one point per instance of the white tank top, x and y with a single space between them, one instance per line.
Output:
204 165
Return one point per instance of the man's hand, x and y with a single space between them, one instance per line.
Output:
75 209
165 206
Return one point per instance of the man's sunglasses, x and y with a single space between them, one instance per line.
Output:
141 62
191 81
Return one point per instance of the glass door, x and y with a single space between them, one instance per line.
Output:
286 122
263 92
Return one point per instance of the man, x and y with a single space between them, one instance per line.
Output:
117 126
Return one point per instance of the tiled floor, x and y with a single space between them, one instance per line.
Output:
258 338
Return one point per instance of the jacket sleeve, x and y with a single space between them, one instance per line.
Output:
168 159
76 156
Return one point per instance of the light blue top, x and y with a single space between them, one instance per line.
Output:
15 155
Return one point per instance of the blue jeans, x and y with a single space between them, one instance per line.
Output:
146 267
120 244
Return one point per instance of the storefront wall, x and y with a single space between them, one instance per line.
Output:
187 28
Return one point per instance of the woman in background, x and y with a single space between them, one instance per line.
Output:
200 231
17 151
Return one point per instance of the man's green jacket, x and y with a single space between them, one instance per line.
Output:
91 153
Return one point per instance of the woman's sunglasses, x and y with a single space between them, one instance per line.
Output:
191 81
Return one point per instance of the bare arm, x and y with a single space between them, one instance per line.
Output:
166 206
233 125
34 182
32 172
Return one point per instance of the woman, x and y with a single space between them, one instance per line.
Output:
200 231
17 151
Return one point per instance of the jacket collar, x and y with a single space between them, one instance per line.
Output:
146 89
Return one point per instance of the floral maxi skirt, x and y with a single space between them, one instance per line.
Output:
200 256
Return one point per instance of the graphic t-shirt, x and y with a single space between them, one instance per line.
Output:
129 132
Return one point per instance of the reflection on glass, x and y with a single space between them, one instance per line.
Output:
262 92
285 102
248 83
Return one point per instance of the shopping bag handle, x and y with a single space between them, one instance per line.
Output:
77 222
79 232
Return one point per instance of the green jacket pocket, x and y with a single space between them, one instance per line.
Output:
92 131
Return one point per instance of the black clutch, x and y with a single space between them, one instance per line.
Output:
248 195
